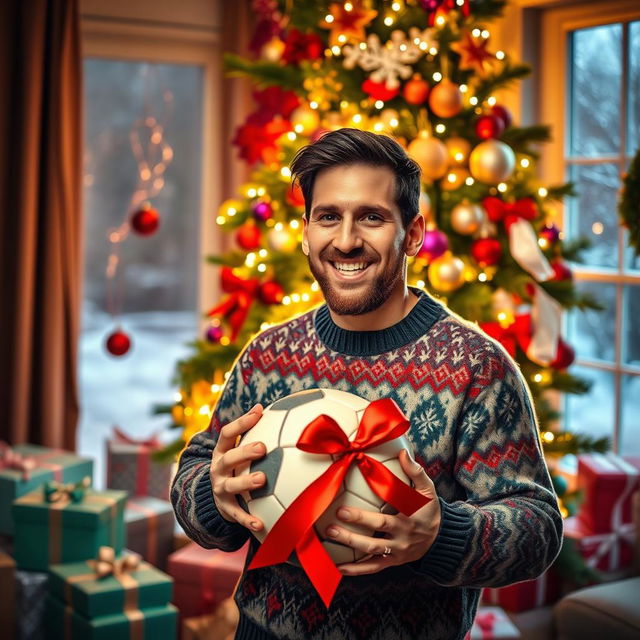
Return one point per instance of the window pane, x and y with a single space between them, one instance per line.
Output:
631 260
595 90
591 413
631 326
630 430
593 213
633 141
592 333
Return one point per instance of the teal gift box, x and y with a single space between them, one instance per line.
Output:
42 464
66 531
155 623
79 585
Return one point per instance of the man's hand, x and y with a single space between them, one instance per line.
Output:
225 459
406 538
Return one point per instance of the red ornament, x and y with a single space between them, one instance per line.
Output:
145 221
258 142
270 293
489 126
561 271
565 355
416 90
486 251
503 113
118 343
378 90
273 101
294 196
302 46
248 236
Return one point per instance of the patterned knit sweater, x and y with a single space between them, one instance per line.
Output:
473 430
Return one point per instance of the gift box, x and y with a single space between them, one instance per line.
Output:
8 591
109 585
522 596
603 551
608 482
31 591
155 623
131 468
70 528
220 625
150 526
204 577
25 467
492 622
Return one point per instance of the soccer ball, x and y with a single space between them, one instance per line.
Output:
289 470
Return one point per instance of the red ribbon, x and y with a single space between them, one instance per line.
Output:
12 460
120 436
382 421
486 622
517 333
509 212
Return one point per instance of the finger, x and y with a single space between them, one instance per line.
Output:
235 457
248 482
230 508
366 544
371 519
416 472
231 431
370 565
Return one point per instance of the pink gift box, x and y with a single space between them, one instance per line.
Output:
529 594
490 623
608 483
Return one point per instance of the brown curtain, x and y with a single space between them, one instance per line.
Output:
40 220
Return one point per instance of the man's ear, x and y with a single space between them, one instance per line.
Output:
414 236
305 239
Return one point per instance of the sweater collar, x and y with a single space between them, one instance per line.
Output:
415 324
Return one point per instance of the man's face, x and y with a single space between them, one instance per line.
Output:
354 238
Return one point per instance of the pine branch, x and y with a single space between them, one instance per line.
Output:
506 76
568 383
567 442
263 72
561 191
519 137
571 249
564 291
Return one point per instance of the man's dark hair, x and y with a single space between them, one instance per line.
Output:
353 146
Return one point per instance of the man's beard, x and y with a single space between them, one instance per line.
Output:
354 304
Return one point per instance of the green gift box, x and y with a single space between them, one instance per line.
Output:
79 585
66 531
48 464
155 623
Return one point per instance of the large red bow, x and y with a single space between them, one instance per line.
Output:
509 212
517 333
382 421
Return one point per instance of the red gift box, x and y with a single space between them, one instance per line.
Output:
203 578
529 594
604 551
490 623
608 482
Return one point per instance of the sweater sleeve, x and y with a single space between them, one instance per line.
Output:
191 491
509 527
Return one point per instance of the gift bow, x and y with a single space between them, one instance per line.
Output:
120 436
517 333
106 563
11 459
382 421
72 492
486 621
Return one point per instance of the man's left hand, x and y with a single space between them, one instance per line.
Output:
407 538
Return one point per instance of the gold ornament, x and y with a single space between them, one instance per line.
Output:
431 154
492 162
281 240
305 120
454 179
272 50
446 273
445 99
459 150
467 217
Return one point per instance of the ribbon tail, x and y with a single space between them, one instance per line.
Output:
524 248
318 566
546 317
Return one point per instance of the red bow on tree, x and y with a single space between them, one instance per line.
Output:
517 333
382 421
509 212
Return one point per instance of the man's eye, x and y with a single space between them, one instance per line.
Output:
373 217
327 217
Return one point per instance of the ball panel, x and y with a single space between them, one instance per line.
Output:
266 430
350 400
389 450
297 472
271 466
340 553
297 399
269 510
356 484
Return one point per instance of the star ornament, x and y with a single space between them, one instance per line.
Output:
473 53
347 20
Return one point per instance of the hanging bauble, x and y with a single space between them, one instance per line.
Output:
145 220
118 343
565 355
281 240
435 243
455 178
550 233
489 126
248 236
561 271
271 293
445 99
446 273
213 334
467 217
416 90
378 90
262 210
304 120
503 113
560 484
425 205
272 50
294 195
431 154
492 162
486 251
459 150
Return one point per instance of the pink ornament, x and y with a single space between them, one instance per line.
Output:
262 211
550 233
434 245
213 334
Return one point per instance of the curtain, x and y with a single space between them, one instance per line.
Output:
40 220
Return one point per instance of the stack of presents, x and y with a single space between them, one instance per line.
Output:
79 563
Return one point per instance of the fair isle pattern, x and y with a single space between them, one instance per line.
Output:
473 430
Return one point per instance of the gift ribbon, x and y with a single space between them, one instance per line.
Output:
120 436
381 422
10 459
546 320
73 492
151 518
143 458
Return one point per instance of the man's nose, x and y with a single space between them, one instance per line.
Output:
347 237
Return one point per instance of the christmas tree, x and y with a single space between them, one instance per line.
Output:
424 72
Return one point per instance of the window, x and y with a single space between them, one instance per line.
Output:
592 58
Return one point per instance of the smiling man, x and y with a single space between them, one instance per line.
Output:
493 519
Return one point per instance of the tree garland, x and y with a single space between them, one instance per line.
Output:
629 205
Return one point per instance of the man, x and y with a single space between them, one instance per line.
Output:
493 519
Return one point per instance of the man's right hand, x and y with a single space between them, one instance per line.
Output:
226 457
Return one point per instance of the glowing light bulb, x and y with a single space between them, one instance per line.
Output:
393 122
482 276
315 286
286 301
502 187
225 340
328 18
378 104
295 297
252 192
469 181
396 6
388 21
313 104
221 220
336 50
420 284
357 118
348 6
378 127
437 76
263 253
262 267
500 55
294 224
463 88
476 33
524 163
342 38
306 297
491 101
440 20
473 100
433 51
485 34
542 192
440 128
597 228
285 172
